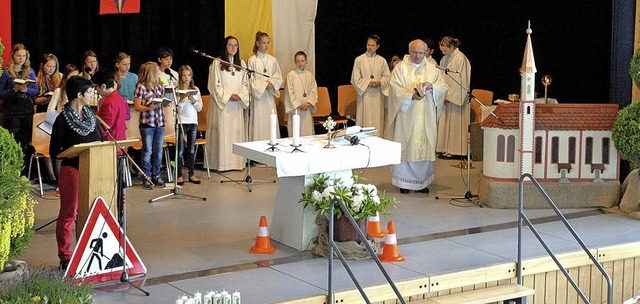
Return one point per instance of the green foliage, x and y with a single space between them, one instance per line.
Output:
635 68
16 201
362 200
46 286
626 133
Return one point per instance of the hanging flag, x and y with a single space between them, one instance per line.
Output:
119 7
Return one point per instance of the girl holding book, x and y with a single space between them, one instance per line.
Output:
18 88
48 79
151 121
189 104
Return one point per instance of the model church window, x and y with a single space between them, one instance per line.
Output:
511 148
572 150
588 152
500 149
538 149
605 150
555 143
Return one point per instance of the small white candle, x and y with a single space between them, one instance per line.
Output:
179 301
226 297
296 128
217 298
235 298
208 298
197 297
273 124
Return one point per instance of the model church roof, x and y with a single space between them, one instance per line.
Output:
563 117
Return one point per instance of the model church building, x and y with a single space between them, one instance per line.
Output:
568 148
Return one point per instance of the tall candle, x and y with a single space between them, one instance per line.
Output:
273 124
296 128
236 298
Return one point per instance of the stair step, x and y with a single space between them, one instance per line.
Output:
481 296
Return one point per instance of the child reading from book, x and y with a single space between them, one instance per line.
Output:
48 79
301 94
189 104
90 64
18 88
152 121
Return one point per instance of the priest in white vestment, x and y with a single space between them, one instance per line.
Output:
264 89
301 94
453 128
416 97
370 78
225 118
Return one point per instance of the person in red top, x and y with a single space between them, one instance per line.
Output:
113 107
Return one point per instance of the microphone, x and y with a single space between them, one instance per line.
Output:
446 70
201 53
104 124
88 70
168 72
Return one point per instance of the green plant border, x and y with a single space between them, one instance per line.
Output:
634 70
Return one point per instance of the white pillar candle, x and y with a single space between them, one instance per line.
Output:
235 298
197 297
217 298
208 298
179 301
273 124
226 297
296 128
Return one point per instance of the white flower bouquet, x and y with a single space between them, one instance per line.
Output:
362 200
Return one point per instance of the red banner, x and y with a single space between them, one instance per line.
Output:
5 29
119 7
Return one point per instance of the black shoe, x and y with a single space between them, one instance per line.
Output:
158 182
423 190
63 266
404 191
147 185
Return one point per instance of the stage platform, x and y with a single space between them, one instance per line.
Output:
191 245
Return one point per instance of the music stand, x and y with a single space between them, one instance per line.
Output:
247 177
175 192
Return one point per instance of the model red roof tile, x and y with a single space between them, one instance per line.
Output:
577 116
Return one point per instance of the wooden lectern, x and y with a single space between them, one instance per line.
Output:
97 175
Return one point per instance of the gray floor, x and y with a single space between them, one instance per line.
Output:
191 245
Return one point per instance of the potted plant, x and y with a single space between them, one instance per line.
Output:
626 138
16 201
362 200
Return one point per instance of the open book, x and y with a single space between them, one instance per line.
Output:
47 124
23 81
165 101
187 92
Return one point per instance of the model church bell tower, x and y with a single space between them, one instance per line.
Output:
527 107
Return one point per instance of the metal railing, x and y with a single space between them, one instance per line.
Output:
334 248
522 217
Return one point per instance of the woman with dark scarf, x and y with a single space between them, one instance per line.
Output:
76 124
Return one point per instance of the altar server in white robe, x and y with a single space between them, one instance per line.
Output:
417 91
229 99
301 93
370 78
430 49
264 89
452 131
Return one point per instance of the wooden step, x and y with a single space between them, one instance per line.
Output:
482 296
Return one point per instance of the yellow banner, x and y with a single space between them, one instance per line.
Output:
243 18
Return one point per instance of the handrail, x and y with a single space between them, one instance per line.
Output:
333 248
523 217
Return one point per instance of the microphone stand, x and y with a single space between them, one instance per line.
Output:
247 178
175 193
469 196
121 186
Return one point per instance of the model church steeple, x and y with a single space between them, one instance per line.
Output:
527 106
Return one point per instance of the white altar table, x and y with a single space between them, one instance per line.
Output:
291 224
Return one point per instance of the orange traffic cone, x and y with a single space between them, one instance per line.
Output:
373 227
263 243
390 250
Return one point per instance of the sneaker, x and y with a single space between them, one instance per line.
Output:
147 185
404 191
180 181
158 182
194 180
58 191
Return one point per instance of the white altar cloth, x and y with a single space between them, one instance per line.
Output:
292 224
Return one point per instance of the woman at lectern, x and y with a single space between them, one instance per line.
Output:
76 124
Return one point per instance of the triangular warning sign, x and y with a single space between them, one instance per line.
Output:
98 255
